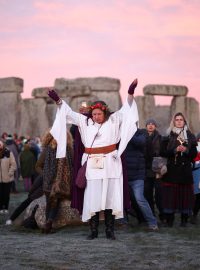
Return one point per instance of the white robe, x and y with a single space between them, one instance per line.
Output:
104 186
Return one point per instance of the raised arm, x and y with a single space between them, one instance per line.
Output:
59 129
131 91
53 95
72 117
128 118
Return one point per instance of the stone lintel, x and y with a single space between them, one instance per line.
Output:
11 84
69 91
40 92
165 90
95 84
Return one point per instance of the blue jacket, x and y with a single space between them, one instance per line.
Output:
135 156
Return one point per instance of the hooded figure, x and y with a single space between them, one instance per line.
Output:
177 184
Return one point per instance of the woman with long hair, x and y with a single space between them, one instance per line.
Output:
179 147
57 176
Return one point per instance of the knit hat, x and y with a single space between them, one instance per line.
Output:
9 137
151 121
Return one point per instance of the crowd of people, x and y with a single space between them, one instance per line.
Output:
128 170
17 160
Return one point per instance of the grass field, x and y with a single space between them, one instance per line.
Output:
67 249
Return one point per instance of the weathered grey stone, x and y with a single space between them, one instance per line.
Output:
34 117
10 107
70 88
79 87
69 91
190 108
112 98
76 101
76 91
95 84
11 84
51 113
40 92
165 90
146 108
162 117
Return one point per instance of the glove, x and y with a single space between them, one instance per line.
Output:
53 95
132 87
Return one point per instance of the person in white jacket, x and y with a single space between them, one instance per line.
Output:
100 132
8 167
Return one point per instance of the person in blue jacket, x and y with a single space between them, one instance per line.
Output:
135 161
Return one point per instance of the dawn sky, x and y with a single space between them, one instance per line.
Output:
156 41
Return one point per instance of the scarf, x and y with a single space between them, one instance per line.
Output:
181 132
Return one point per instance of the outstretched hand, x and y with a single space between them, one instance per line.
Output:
53 95
132 87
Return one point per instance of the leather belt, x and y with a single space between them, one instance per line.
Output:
101 150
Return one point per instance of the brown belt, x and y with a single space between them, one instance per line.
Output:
101 150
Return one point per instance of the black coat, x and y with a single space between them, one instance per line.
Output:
153 143
179 166
135 156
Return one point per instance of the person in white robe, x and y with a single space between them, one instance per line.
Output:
100 132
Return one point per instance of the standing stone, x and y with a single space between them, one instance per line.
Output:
11 84
162 116
10 110
34 117
190 108
51 113
146 108
10 104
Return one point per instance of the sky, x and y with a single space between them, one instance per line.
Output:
156 41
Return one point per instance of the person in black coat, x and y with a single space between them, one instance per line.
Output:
152 185
135 161
177 184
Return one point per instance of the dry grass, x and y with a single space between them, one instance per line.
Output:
68 249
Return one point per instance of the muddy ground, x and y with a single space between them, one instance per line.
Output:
67 249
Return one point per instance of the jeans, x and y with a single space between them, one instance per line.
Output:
137 187
150 185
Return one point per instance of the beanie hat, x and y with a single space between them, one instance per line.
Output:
9 137
151 121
